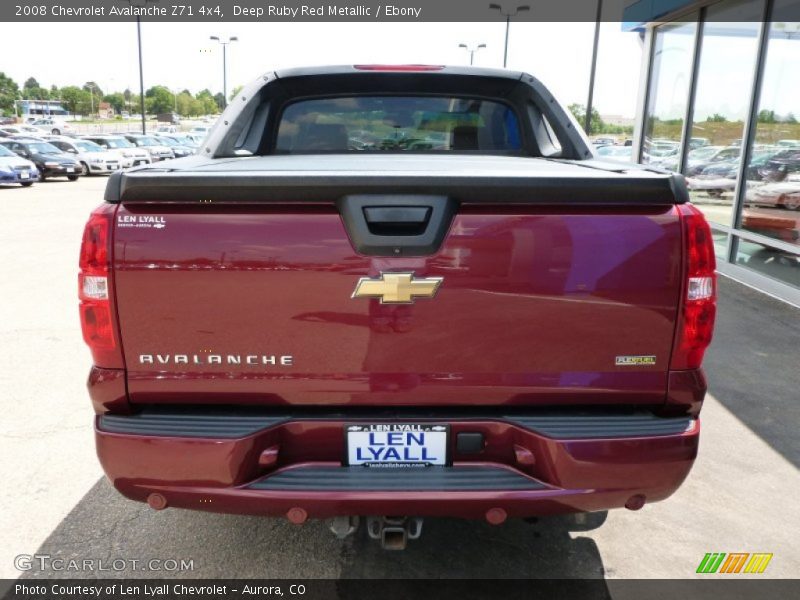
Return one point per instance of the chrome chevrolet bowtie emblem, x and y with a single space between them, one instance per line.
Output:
397 288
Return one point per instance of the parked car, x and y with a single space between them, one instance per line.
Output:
54 126
180 150
93 158
616 153
22 129
15 169
781 165
49 160
781 194
130 155
604 141
183 140
157 150
197 138
702 157
345 314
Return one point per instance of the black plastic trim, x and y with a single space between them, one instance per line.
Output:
411 479
355 210
182 424
205 422
566 426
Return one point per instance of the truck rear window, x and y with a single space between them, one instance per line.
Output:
398 124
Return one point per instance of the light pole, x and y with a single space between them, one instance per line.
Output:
141 3
91 98
593 69
508 14
224 44
472 51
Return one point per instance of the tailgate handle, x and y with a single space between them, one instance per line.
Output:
396 224
397 220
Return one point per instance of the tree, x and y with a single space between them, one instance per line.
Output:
158 99
716 118
33 91
220 101
9 92
767 116
236 91
93 88
208 104
116 100
76 100
579 112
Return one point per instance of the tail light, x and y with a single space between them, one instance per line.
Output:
699 302
98 321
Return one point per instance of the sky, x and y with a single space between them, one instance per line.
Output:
181 56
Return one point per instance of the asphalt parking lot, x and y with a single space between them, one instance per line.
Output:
740 497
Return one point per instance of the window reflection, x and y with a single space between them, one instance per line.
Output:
773 262
721 105
669 91
772 192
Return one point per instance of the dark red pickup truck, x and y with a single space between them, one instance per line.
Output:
396 292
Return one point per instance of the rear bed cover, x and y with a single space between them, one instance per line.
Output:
470 179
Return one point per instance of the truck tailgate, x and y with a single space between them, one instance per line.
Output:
248 303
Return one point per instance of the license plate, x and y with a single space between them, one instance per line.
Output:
24 175
397 444
70 170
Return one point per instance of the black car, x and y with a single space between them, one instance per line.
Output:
49 160
781 165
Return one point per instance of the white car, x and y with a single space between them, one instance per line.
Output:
15 169
130 155
157 149
54 126
93 158
615 153
23 129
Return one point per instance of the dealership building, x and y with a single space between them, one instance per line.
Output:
719 101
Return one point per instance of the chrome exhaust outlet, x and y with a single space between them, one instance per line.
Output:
394 532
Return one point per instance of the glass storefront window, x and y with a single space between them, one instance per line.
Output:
772 187
773 262
669 92
721 105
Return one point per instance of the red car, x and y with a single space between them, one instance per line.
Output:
467 316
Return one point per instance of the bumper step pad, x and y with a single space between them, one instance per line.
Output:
377 479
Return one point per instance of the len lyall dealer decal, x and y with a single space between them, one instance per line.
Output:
142 221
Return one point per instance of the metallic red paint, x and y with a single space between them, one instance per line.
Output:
536 304
212 474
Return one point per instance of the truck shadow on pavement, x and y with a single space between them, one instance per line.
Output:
752 364
106 527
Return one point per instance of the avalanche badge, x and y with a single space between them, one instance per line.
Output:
397 288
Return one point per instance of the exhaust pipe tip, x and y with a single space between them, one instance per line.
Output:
157 501
496 516
297 515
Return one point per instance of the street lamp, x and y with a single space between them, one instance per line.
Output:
140 3
224 44
472 51
508 14
91 97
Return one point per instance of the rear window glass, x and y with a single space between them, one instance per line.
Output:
398 124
